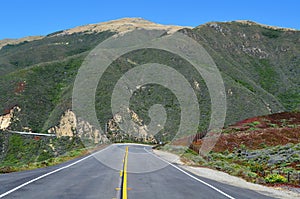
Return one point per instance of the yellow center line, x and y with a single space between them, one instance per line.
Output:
124 184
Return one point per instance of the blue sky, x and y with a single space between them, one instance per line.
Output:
19 18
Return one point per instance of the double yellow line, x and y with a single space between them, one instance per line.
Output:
124 183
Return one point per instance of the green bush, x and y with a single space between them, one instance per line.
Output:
44 155
275 178
272 34
253 124
272 125
256 167
251 175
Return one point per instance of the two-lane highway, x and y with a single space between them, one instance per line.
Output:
101 175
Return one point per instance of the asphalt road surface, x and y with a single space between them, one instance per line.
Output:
101 176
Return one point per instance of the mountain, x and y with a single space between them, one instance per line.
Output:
260 66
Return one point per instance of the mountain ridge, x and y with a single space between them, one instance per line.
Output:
136 22
249 22
117 25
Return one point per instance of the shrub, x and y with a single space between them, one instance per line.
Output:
251 174
253 124
272 125
272 34
44 155
275 178
256 167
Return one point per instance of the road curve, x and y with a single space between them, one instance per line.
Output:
101 175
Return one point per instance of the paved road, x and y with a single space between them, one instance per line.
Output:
99 176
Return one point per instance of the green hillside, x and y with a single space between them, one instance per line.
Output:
260 67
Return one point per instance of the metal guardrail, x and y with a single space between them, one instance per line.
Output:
29 133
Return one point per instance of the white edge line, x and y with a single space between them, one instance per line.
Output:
201 181
47 174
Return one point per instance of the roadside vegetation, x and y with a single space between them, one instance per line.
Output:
257 166
264 150
23 152
8 167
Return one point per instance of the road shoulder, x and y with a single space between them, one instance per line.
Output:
226 178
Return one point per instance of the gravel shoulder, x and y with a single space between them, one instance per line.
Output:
228 179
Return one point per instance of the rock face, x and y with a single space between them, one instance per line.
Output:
70 125
67 125
6 120
136 130
87 132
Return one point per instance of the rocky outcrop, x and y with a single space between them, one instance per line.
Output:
136 130
6 120
88 132
71 126
67 125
